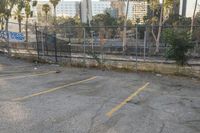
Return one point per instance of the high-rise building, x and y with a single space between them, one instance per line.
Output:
88 8
86 11
99 7
139 10
187 7
112 11
183 4
65 8
136 10
120 6
68 8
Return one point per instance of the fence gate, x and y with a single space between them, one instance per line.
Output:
50 47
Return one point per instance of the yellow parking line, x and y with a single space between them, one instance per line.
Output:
26 76
53 89
116 108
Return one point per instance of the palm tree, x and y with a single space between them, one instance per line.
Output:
28 13
6 7
2 11
46 8
54 3
18 16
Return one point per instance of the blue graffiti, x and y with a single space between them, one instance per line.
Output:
13 36
3 35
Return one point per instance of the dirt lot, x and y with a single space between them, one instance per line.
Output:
52 99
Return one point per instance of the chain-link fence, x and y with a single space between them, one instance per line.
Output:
63 43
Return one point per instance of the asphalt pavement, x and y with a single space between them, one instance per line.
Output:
43 98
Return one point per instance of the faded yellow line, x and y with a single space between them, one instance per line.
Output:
116 108
53 89
26 76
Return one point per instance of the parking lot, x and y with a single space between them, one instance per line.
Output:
43 98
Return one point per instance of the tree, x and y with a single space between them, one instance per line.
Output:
120 22
66 27
27 12
177 20
46 8
105 19
34 4
5 13
160 13
193 16
6 7
179 43
196 30
54 3
2 12
18 16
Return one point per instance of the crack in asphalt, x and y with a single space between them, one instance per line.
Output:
162 128
96 114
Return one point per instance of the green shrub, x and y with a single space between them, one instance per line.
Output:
179 43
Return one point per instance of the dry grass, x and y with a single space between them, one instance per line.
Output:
166 69
123 66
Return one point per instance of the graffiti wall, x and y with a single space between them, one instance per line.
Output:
13 36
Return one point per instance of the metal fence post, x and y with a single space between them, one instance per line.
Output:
38 52
84 35
145 41
55 44
92 33
45 40
42 42
136 46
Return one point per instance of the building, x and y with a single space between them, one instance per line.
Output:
68 8
112 11
183 7
137 9
120 6
65 8
86 11
187 7
91 8
88 8
99 7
